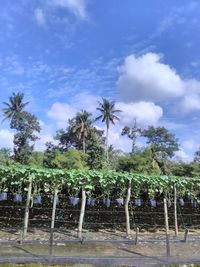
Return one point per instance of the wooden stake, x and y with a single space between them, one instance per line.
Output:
26 214
136 235
167 227
53 220
128 195
175 212
82 213
186 235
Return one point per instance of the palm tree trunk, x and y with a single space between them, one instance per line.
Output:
107 143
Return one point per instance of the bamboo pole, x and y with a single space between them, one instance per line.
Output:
53 220
26 214
175 212
166 227
82 213
128 195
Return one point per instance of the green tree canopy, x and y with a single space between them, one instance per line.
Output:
71 159
82 126
161 141
139 162
25 125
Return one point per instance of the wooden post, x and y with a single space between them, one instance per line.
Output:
128 195
82 213
26 214
186 235
175 212
167 227
53 220
136 235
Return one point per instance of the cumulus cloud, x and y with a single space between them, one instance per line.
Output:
190 144
44 138
181 155
146 113
61 113
86 101
147 78
191 100
77 7
6 138
39 16
117 140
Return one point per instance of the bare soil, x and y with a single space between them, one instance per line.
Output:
100 248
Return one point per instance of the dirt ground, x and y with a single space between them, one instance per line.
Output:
109 246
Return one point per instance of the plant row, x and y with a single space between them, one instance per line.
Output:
15 179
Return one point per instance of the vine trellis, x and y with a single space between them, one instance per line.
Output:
33 181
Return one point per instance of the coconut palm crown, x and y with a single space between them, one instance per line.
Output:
15 107
83 125
108 115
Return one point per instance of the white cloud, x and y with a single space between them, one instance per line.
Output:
147 78
6 138
190 103
181 155
117 140
86 101
44 138
39 16
190 144
77 7
146 113
61 113
191 100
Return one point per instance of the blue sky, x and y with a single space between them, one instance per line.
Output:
67 54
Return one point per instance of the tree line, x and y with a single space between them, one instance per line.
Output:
82 146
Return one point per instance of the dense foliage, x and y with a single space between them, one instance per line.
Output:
15 179
25 125
84 145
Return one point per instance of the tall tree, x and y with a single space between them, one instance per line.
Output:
69 139
197 156
14 108
83 124
25 125
5 156
108 115
161 141
140 162
132 133
25 137
163 145
50 155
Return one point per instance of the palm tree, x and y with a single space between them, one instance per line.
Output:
83 124
15 107
108 111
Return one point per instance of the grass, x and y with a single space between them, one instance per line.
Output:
69 249
40 265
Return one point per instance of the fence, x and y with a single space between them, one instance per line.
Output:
59 214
